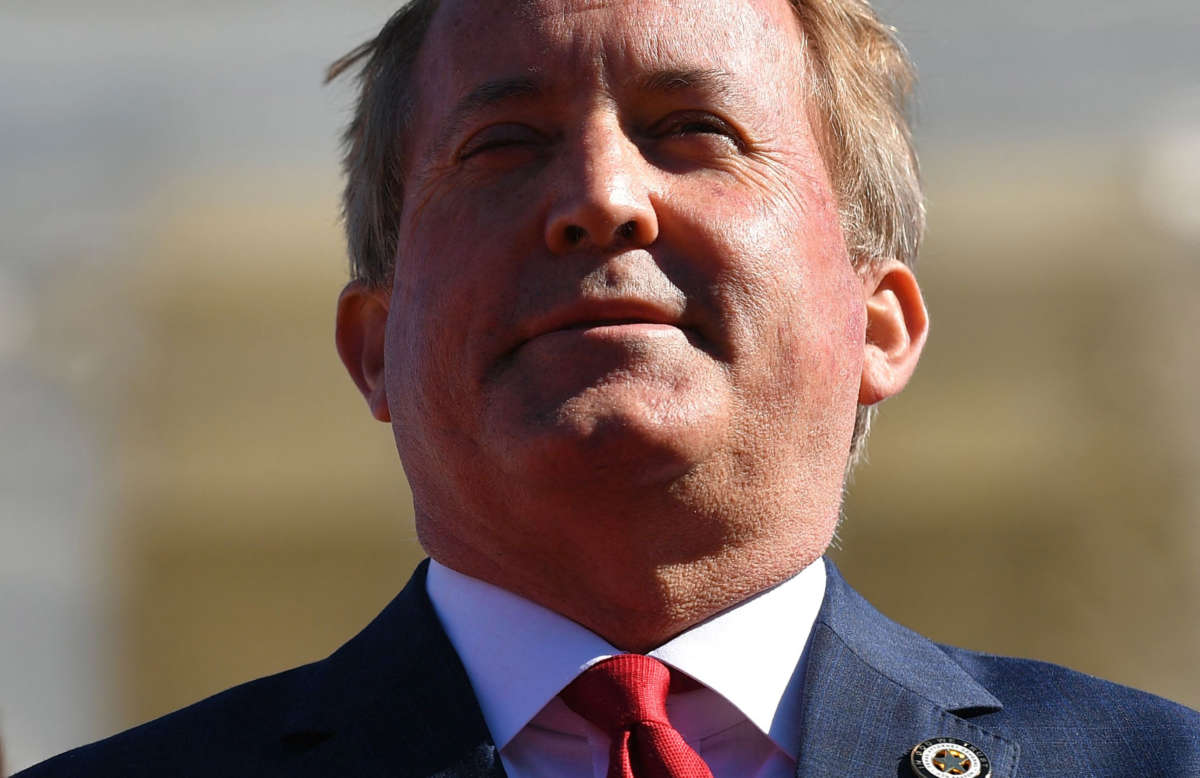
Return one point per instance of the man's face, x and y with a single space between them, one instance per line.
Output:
620 262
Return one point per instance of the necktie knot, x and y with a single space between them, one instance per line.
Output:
622 691
626 696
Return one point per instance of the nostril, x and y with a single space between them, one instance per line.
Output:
573 234
627 230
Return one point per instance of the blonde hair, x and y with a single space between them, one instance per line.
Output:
861 87
860 91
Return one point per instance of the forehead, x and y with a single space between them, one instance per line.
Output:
474 40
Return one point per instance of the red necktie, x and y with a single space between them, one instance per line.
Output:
626 696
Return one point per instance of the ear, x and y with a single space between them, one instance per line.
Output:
362 313
896 328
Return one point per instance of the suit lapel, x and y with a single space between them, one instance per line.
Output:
395 701
874 689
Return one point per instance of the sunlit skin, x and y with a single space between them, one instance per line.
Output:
624 344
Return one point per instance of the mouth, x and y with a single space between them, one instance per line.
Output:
597 323
594 314
600 318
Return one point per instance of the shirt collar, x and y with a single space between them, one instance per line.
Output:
751 653
519 655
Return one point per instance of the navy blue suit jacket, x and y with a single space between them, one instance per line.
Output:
395 701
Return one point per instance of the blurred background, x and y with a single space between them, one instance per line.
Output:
192 493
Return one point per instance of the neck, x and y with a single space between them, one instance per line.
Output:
636 564
636 589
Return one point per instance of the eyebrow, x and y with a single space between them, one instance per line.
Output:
713 80
486 95
490 93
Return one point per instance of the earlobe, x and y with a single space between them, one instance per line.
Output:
897 325
362 313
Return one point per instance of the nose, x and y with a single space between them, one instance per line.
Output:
602 194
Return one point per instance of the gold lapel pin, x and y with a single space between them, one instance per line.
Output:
948 757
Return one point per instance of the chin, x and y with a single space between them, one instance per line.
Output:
610 438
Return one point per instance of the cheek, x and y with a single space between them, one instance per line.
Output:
451 302
846 334
795 305
820 345
439 237
777 265
831 317
421 336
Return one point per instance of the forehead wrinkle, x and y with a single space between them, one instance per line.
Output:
689 67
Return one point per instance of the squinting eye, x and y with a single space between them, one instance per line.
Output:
699 126
500 137
692 124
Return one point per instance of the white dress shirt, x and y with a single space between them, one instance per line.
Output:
743 722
